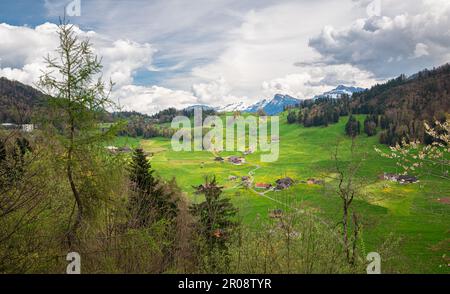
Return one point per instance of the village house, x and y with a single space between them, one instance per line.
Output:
402 179
218 158
407 179
236 160
284 183
232 178
276 213
389 177
313 181
246 182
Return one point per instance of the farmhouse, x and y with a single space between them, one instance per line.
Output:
313 181
218 158
407 179
389 177
284 183
402 179
246 181
232 178
276 213
236 160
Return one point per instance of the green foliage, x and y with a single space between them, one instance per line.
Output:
370 125
292 117
353 127
149 200
215 223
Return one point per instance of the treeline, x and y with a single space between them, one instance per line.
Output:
318 112
141 125
138 127
167 115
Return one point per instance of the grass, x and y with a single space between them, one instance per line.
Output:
410 212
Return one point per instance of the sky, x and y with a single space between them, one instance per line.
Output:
165 53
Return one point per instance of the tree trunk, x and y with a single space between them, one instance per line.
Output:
73 230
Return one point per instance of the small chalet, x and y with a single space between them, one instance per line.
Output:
236 160
284 183
276 213
402 179
313 181
407 179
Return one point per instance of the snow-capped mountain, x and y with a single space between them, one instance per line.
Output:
339 91
274 106
238 106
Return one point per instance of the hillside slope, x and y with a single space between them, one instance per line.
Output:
18 102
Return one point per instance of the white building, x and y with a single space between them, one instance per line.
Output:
27 128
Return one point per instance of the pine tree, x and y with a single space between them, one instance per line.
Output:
149 201
292 117
215 214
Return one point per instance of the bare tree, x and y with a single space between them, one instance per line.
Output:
348 189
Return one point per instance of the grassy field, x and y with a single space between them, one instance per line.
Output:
410 212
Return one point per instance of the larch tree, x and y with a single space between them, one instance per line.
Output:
79 98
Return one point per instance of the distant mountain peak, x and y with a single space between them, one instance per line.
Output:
236 106
339 91
274 106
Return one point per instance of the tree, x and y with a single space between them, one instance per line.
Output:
215 215
370 125
415 156
348 188
80 99
292 117
149 201
353 127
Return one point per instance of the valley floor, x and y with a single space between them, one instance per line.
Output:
413 213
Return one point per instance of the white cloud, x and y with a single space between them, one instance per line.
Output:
384 45
266 45
314 80
23 50
421 50
152 99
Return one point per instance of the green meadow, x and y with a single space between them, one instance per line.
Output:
409 213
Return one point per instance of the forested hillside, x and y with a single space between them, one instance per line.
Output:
18 102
